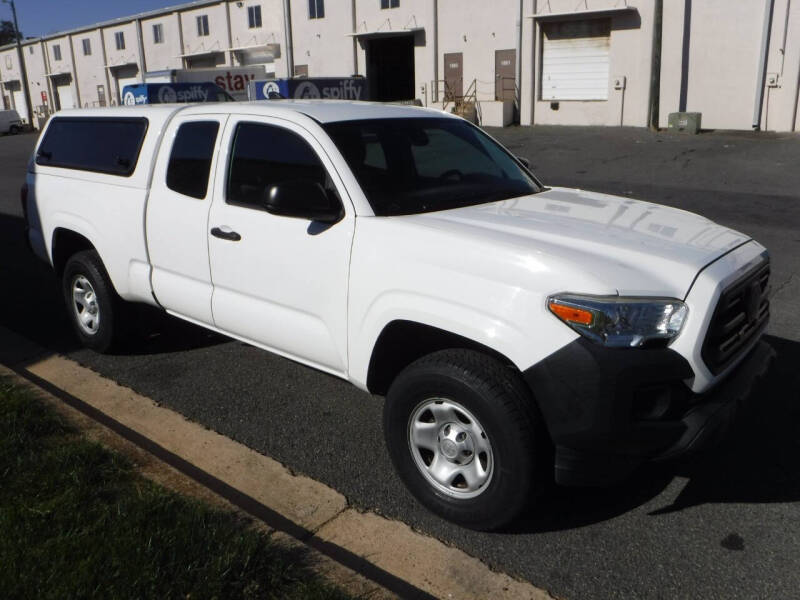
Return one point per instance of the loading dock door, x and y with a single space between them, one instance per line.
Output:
575 60
390 68
127 75
453 76
63 88
19 104
505 74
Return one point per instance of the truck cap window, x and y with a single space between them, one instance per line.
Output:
265 155
105 145
408 166
190 159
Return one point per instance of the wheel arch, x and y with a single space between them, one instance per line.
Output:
401 342
66 243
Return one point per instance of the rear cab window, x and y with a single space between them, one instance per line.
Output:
102 145
190 159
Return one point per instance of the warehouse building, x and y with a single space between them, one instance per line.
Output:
566 62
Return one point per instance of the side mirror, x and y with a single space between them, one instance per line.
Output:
525 162
302 200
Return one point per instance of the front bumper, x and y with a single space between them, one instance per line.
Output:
608 411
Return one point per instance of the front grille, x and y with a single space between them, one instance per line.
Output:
742 312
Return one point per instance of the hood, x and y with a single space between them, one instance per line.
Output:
635 247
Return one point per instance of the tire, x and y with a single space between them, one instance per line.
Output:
92 304
485 478
14 130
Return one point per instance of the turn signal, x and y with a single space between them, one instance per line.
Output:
571 314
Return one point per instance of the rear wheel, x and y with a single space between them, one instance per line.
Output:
93 305
461 431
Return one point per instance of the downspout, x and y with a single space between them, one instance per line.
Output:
179 16
140 44
106 68
435 50
518 74
228 53
535 73
287 33
762 65
355 39
51 101
655 67
796 100
74 71
687 39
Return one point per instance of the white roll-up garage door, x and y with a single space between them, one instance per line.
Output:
64 91
19 103
575 60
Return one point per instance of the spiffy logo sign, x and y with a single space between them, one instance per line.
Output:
326 88
164 93
345 89
194 93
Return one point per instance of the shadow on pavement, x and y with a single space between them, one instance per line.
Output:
759 462
31 305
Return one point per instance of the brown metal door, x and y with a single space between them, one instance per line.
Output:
505 74
453 76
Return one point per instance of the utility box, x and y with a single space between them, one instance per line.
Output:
685 122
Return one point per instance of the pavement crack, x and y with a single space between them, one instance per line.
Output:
782 286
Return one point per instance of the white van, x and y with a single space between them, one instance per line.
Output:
10 122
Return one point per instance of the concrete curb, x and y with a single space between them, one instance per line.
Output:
412 565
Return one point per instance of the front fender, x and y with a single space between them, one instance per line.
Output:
523 342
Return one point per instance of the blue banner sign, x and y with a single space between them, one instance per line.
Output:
170 93
329 88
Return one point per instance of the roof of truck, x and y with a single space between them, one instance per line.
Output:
324 111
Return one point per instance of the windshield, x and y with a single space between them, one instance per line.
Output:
407 166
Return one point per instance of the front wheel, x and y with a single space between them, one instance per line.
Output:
14 129
92 303
461 430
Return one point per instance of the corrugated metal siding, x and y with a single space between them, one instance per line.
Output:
575 58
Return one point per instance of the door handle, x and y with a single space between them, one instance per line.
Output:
226 233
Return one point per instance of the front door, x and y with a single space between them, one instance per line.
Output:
505 75
177 216
279 282
453 76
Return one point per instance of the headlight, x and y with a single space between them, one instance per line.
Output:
621 322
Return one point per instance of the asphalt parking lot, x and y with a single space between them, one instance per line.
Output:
725 525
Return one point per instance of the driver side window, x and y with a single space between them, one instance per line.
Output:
266 155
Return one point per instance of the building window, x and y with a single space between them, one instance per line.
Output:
390 3
56 52
30 49
202 25
87 46
254 16
316 9
158 33
119 38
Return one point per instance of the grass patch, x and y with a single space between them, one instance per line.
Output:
76 521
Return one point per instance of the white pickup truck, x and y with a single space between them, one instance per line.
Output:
520 333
